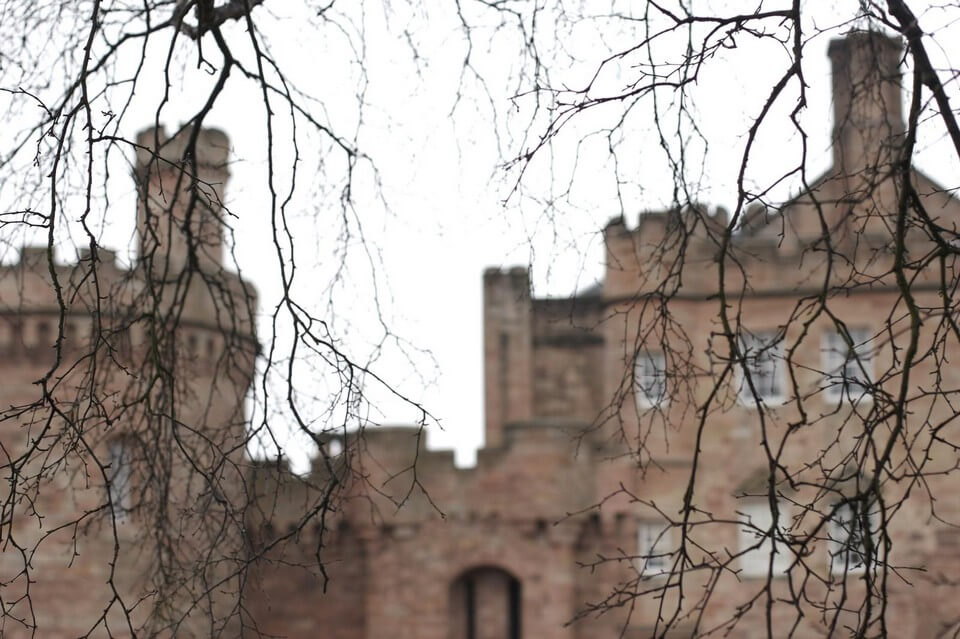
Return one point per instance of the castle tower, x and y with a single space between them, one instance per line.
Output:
507 351
129 455
181 181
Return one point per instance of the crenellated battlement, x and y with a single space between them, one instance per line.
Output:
676 253
664 246
156 150
531 476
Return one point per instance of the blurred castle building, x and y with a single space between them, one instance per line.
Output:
584 506
585 496
143 394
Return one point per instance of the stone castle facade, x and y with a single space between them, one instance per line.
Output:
606 502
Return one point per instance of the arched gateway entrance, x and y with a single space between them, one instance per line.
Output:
485 603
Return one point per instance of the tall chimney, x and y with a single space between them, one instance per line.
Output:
867 112
179 217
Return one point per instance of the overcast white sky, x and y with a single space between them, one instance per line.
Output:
437 218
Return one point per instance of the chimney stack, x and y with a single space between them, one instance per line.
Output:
179 219
867 113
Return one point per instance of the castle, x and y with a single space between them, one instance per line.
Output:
665 456
662 523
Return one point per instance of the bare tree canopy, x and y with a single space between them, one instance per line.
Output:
767 388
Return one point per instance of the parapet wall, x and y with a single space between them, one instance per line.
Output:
538 473
676 254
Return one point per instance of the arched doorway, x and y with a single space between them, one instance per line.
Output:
486 603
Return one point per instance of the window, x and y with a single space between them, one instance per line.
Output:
653 553
848 366
650 379
755 541
41 337
848 532
763 355
120 475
